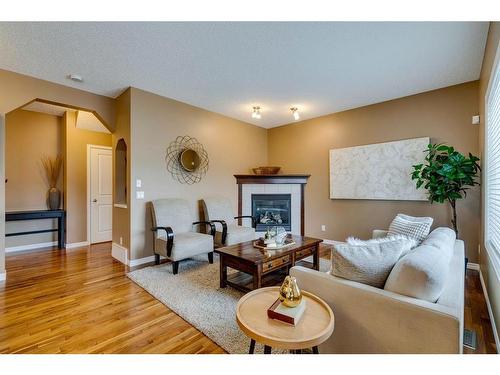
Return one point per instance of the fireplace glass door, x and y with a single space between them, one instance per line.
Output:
271 210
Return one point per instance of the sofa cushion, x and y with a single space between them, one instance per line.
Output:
218 208
369 264
236 234
174 213
422 273
186 245
413 227
408 243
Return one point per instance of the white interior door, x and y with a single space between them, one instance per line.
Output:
101 196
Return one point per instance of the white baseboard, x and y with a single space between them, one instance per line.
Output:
34 246
76 244
473 266
490 311
3 276
138 262
119 252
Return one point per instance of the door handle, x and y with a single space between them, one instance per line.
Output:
94 200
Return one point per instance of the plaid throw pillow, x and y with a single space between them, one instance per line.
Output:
411 227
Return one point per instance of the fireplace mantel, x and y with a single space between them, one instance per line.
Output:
273 179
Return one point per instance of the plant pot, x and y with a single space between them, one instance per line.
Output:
54 200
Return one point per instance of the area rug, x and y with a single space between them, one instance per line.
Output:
194 294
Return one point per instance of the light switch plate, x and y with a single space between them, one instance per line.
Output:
139 194
138 183
476 120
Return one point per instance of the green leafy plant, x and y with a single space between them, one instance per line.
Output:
446 174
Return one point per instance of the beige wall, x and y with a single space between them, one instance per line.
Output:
75 172
444 115
2 194
490 277
15 91
28 137
121 215
38 134
233 147
18 89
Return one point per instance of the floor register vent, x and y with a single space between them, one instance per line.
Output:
470 339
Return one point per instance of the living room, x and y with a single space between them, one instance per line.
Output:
266 192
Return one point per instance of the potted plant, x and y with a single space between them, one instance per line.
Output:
446 174
52 167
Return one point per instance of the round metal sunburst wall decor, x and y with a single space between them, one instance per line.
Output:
187 160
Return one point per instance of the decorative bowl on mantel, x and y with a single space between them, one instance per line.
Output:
266 170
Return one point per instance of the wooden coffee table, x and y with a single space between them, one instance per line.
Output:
314 328
258 267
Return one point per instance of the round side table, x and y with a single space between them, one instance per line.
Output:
315 326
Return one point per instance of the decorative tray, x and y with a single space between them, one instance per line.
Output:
259 244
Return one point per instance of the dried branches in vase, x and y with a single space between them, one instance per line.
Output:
52 167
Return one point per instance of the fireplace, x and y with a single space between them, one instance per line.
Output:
271 210
278 184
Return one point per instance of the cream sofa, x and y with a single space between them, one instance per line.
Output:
372 320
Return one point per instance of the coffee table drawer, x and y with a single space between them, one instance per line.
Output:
275 264
299 254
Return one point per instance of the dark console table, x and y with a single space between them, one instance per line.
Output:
60 215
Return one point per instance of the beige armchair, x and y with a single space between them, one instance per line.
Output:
218 210
174 237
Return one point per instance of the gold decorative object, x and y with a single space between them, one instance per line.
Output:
187 160
290 295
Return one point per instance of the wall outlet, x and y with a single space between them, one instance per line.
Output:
323 228
476 120
138 183
121 240
139 194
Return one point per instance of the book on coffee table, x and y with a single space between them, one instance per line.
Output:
289 315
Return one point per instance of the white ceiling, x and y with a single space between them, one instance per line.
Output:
89 121
229 67
84 119
50 109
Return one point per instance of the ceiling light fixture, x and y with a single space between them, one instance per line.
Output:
256 113
295 113
75 77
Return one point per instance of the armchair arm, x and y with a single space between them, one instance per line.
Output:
211 225
254 222
372 320
170 237
224 229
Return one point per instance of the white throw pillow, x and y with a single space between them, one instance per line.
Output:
407 244
368 264
423 272
412 227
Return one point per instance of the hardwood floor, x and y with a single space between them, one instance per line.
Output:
476 315
80 301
